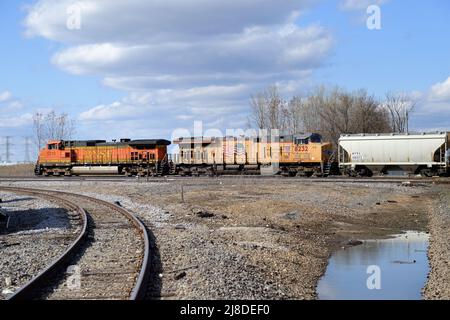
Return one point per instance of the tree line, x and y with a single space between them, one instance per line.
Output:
330 112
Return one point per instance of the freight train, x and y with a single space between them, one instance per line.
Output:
303 155
289 155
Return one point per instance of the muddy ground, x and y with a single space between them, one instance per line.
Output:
247 238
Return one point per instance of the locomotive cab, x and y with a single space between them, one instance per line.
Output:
55 145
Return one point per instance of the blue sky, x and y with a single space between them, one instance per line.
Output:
148 67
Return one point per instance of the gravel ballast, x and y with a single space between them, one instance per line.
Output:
39 231
251 238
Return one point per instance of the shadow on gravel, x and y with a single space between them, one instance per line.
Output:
37 220
17 200
154 280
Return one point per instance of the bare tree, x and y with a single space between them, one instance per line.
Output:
400 107
294 111
258 115
369 115
269 110
38 127
328 112
52 126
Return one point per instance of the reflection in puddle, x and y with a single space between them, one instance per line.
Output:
403 265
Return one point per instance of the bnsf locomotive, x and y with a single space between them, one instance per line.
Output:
137 157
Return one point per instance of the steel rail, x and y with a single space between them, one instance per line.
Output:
139 289
24 292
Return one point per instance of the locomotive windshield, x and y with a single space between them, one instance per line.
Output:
307 138
54 146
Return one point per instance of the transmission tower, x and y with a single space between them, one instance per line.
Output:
27 158
8 146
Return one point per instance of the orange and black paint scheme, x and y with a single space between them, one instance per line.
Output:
128 157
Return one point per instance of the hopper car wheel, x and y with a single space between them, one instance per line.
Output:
365 173
426 173
352 173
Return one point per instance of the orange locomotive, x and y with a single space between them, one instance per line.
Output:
137 157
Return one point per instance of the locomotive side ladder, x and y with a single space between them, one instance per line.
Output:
327 167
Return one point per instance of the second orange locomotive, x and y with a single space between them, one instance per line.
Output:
289 155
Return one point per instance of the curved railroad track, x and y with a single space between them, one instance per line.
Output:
108 260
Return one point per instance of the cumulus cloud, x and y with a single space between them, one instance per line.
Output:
5 96
157 20
10 119
199 59
16 121
440 91
357 5
433 107
8 102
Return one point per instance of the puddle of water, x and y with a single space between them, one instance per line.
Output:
400 277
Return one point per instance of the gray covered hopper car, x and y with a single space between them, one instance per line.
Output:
365 154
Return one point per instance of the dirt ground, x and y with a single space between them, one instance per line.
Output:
247 238
21 170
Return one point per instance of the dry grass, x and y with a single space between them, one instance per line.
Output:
20 170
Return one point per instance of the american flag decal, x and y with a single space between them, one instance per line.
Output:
240 149
228 150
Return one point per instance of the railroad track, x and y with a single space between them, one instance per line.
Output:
169 179
107 261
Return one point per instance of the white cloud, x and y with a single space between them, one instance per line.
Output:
131 107
9 103
259 50
15 121
183 60
357 5
157 20
433 105
440 91
5 96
